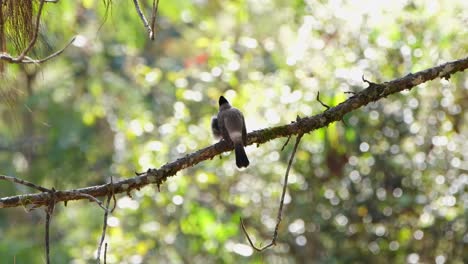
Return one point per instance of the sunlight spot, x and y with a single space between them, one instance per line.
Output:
179 109
242 249
380 230
413 258
397 192
381 194
113 221
273 156
301 240
341 220
150 227
440 179
394 245
178 200
181 148
364 147
80 41
153 76
448 200
272 116
329 193
426 219
154 145
289 97
374 247
170 238
355 176
297 227
148 127
206 77
186 16
440 259
136 127
233 65
216 71
181 83
269 44
418 234
247 42
439 140
193 95
455 162
145 161
287 198
166 129
136 259
202 177
127 202
19 162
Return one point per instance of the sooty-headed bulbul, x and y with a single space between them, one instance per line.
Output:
230 125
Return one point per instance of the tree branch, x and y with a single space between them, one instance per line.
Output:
28 60
305 125
153 18
23 182
280 209
143 19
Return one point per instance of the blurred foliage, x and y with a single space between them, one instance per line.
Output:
389 186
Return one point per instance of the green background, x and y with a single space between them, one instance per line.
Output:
388 185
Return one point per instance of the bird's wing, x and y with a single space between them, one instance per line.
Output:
244 132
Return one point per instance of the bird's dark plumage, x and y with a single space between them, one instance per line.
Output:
222 100
241 156
230 125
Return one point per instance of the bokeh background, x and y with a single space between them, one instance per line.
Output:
388 185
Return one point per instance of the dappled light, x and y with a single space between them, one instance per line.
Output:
386 183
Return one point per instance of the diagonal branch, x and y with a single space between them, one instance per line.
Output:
305 125
23 182
143 18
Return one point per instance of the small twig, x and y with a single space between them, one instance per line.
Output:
23 182
153 18
28 60
286 143
104 227
51 56
318 99
92 198
280 209
103 234
113 193
105 254
142 17
367 81
49 211
48 216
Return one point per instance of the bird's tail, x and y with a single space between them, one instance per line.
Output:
241 157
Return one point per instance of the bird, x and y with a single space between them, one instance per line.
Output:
229 125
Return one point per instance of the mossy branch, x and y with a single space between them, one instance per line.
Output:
304 125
